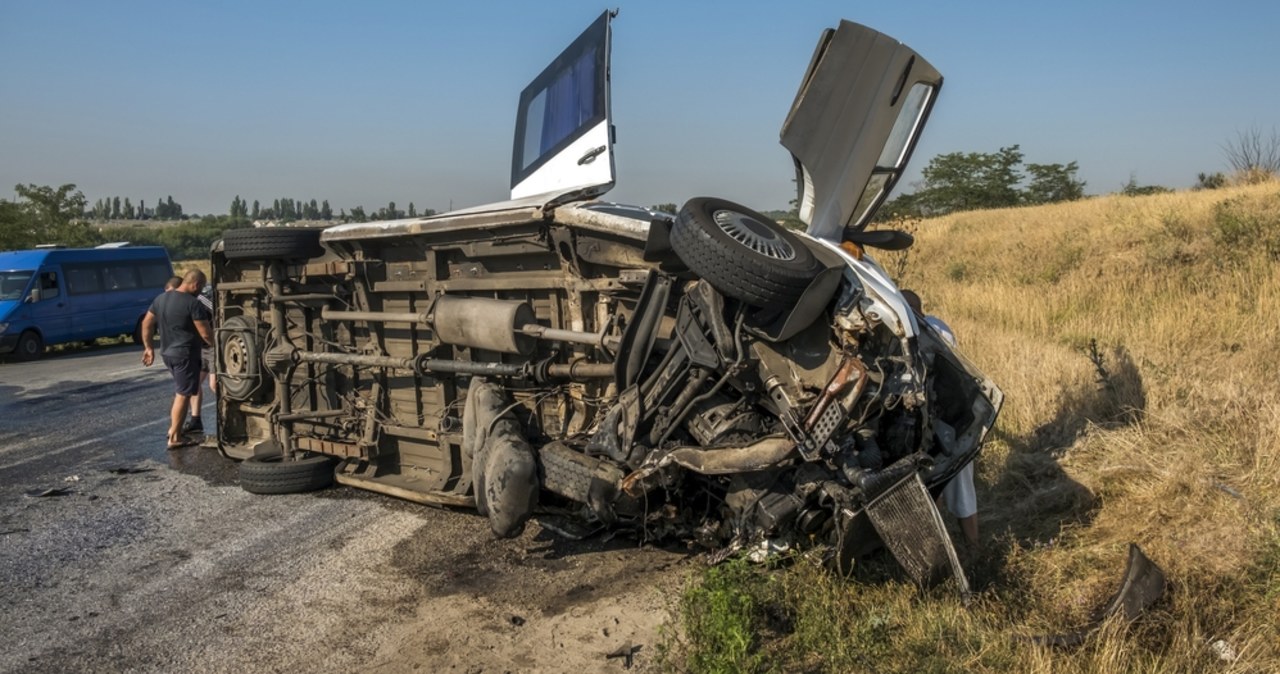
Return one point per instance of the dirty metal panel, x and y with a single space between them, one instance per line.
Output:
429 463
310 444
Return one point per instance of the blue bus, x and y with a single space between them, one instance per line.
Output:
58 295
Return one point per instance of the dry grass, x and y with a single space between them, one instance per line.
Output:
181 267
1135 340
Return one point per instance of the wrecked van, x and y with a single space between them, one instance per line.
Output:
708 375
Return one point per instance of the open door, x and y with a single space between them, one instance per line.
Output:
564 131
853 125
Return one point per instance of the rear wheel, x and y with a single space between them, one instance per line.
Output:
271 243
743 254
274 475
30 346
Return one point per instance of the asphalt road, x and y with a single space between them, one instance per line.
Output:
117 555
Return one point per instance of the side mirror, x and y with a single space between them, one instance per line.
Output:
34 296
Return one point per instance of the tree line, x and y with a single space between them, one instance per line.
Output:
292 210
111 208
964 181
60 215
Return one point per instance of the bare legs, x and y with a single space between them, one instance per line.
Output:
176 414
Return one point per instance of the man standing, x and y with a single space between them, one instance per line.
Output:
184 329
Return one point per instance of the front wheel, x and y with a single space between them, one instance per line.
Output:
30 346
743 254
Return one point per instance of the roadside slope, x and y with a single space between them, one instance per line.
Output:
1135 340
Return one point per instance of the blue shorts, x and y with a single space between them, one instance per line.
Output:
186 373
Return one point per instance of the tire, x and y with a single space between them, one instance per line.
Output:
566 472
270 243
274 475
137 332
30 346
242 373
743 254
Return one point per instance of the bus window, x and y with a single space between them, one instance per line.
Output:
120 277
154 274
83 279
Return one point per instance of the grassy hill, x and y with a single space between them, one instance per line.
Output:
1136 340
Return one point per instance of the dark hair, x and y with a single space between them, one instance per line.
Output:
173 282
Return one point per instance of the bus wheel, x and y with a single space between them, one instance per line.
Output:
30 346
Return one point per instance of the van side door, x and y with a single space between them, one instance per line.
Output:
51 315
85 297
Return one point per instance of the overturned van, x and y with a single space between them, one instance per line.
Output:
708 375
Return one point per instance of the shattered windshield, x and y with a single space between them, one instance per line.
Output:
12 283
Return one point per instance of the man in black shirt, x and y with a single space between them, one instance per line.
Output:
184 329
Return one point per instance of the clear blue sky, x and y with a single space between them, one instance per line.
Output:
364 103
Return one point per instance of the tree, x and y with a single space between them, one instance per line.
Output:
357 214
1053 182
15 229
326 213
958 181
49 216
1254 156
413 212
256 210
1133 189
128 209
668 208
115 208
1210 181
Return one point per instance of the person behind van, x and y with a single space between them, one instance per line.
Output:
194 424
184 329
172 283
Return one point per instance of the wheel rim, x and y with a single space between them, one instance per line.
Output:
755 235
235 356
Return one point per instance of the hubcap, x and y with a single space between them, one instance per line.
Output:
753 234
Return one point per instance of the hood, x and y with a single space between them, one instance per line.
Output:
856 118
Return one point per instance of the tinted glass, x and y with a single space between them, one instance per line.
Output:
120 277
82 280
154 274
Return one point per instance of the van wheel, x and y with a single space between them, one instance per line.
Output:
274 475
743 254
242 374
30 346
137 332
271 243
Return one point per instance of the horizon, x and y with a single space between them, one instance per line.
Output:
365 105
